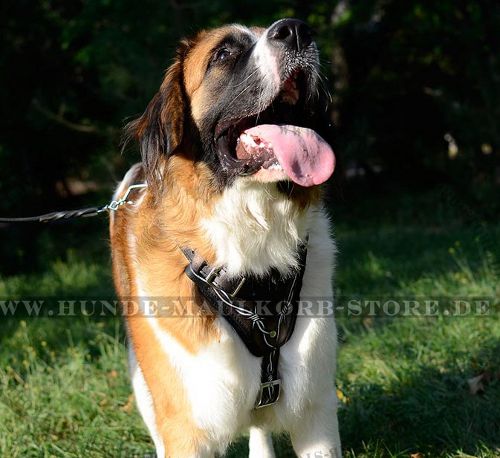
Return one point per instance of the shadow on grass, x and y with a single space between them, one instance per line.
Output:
55 330
389 260
431 412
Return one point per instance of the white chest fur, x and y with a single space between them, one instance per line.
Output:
253 229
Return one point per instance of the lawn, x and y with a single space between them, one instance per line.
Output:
64 390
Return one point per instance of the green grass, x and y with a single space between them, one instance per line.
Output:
64 389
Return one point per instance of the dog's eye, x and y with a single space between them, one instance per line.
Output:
221 54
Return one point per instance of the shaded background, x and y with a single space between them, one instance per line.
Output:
415 85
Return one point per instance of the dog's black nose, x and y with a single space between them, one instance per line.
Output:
293 33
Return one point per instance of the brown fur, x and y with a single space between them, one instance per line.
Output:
159 229
160 226
165 219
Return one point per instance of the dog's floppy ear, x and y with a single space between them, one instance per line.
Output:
159 130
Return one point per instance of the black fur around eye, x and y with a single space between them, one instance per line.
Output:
221 55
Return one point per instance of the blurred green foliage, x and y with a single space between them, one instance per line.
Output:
417 71
415 85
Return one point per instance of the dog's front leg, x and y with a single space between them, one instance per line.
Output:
317 434
260 444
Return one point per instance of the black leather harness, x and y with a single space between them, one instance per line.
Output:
262 311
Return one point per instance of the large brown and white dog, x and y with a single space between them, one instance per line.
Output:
232 160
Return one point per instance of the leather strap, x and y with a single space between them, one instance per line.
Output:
270 383
262 311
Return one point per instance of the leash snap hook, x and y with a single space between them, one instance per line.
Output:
116 204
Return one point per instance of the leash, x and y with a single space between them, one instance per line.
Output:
80 213
235 298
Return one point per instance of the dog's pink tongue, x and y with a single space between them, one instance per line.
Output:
305 157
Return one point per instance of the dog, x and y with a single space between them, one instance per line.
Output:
233 155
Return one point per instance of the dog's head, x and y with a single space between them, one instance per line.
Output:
244 101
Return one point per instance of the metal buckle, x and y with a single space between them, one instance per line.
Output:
267 385
212 275
211 280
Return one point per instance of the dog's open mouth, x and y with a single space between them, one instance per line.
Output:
273 140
